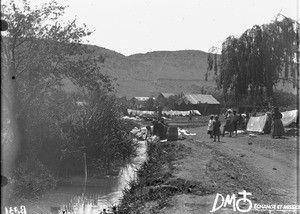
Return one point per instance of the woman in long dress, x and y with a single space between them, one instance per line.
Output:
277 126
228 125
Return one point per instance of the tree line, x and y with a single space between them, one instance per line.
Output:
252 64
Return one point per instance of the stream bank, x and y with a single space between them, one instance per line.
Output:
155 183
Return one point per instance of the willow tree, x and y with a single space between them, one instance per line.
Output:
252 64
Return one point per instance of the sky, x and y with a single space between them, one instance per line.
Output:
140 26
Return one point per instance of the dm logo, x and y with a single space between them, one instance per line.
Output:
232 200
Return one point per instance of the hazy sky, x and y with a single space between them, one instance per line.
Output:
139 26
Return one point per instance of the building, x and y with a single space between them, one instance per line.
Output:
204 103
140 102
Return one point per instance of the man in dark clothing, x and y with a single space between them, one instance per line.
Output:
155 123
162 129
190 116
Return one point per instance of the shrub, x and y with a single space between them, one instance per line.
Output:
97 130
32 178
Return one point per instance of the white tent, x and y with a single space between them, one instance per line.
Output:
256 124
289 117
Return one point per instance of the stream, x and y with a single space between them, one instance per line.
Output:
105 193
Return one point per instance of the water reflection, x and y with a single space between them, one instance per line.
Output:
106 192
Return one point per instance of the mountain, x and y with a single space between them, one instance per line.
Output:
159 71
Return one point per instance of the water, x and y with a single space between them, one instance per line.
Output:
106 192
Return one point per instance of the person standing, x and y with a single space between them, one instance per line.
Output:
162 129
235 120
216 128
228 125
277 128
190 116
210 126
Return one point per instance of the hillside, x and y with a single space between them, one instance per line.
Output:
159 71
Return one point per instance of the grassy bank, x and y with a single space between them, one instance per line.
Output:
154 184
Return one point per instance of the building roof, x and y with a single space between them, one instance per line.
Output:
167 95
200 98
194 98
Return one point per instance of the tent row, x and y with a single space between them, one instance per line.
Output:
139 112
257 124
181 113
169 113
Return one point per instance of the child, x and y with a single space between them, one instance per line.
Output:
216 128
210 126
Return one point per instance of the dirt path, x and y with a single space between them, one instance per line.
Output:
260 165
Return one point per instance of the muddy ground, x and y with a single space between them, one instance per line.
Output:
260 165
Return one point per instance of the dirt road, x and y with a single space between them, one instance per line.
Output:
259 165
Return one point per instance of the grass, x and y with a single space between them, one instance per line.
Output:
152 188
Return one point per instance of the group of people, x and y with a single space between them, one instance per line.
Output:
213 129
274 124
234 121
231 125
